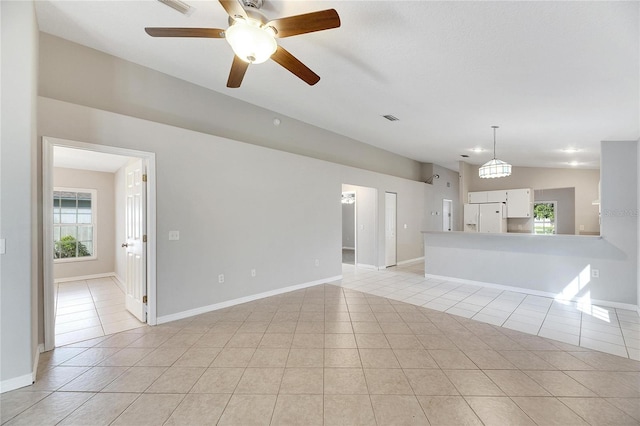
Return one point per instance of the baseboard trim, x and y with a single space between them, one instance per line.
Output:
532 292
119 282
405 262
16 383
216 306
85 277
26 379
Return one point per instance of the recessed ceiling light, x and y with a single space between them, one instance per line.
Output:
573 163
477 150
570 150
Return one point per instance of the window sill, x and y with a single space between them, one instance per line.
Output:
75 259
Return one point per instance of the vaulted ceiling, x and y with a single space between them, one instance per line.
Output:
553 75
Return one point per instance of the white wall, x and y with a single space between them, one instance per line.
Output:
585 182
410 211
81 75
237 207
19 267
103 183
446 187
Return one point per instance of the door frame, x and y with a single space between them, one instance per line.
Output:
149 159
450 204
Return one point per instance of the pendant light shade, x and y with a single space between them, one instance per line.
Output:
494 168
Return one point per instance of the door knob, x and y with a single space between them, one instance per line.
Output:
125 245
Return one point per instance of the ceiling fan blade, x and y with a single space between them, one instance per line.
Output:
238 68
291 63
306 23
185 32
233 8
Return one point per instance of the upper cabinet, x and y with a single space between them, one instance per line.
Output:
520 203
488 197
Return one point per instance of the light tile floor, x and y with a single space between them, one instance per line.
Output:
611 330
90 308
327 355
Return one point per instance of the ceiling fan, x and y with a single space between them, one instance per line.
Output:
252 37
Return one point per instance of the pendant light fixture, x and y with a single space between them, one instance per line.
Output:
494 168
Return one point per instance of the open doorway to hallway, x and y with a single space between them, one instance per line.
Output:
94 285
360 226
349 227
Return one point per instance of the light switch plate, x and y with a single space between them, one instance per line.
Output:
3 246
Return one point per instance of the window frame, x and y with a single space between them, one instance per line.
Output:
94 223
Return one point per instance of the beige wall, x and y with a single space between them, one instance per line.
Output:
585 182
103 183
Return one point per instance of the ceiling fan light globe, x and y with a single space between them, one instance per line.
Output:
494 169
251 43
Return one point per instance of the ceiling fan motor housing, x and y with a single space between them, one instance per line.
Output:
254 4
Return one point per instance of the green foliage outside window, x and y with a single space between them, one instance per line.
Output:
68 246
544 211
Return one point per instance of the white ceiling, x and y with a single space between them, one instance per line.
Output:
552 75
71 158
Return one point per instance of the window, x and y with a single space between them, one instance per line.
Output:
74 219
544 217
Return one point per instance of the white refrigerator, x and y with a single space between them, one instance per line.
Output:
486 217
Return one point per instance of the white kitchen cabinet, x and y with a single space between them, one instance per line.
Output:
480 197
520 203
497 196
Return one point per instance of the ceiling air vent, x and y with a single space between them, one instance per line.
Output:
178 5
391 117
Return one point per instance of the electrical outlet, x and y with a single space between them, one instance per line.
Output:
405 226
220 278
595 273
174 235
582 227
253 272
317 262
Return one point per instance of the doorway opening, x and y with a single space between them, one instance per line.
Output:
390 222
349 227
447 215
86 228
544 217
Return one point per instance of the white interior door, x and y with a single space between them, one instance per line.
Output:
136 238
446 214
390 228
